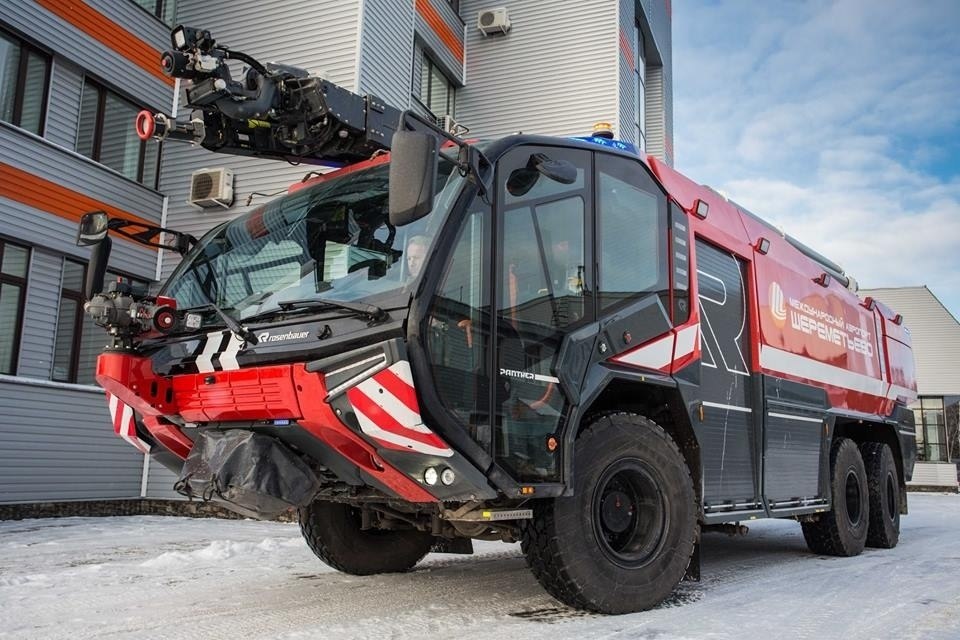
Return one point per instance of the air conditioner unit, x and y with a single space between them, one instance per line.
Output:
211 188
448 124
493 21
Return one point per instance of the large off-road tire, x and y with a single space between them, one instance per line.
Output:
843 530
884 487
332 531
623 541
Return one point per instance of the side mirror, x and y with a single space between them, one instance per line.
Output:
92 229
560 171
413 176
97 268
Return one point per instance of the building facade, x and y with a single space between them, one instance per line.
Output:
73 75
936 347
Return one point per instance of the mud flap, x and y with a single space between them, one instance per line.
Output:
250 473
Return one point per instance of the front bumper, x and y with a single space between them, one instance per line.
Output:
366 433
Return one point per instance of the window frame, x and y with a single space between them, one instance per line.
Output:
158 9
77 296
16 281
95 152
20 85
427 65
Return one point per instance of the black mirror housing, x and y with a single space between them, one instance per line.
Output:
413 176
97 269
92 228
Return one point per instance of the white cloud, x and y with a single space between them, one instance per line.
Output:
834 120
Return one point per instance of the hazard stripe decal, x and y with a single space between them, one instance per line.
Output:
387 410
123 423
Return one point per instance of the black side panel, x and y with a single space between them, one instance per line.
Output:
727 433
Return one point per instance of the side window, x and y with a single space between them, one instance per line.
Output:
13 289
632 230
543 291
24 76
458 328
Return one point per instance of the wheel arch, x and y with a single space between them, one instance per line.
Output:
661 402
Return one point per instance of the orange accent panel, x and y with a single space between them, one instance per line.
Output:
39 193
441 28
626 50
108 33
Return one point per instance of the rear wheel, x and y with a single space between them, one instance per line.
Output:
884 488
623 541
332 531
843 530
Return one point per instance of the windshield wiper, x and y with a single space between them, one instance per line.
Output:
245 334
371 311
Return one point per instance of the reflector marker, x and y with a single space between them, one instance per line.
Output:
123 423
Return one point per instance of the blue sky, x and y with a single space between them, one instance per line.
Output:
838 121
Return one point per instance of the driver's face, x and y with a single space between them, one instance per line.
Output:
416 253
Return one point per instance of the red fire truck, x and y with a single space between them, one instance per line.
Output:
545 340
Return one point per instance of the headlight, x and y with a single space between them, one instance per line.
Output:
430 476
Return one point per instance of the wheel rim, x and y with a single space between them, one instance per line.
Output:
892 509
853 497
629 514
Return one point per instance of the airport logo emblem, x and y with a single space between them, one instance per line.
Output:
778 305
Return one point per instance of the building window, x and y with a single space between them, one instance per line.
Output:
437 93
78 341
13 289
639 87
932 443
107 135
24 77
163 9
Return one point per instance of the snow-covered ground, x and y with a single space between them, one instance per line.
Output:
159 577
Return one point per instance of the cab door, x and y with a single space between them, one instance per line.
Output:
542 292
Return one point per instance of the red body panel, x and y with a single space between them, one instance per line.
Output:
820 335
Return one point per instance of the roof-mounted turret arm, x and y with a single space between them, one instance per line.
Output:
274 111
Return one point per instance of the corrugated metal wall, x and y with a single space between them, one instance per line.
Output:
659 102
66 41
56 440
440 30
56 444
935 333
554 73
386 52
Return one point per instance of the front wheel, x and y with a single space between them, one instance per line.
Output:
333 532
623 541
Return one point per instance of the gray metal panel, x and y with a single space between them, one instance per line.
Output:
659 18
324 42
160 483
655 124
63 107
64 39
40 315
935 334
554 73
791 453
438 50
57 443
320 37
38 157
623 127
386 53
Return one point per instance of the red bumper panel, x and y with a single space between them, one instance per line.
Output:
258 393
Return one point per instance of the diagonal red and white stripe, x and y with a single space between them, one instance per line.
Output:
670 351
387 410
123 424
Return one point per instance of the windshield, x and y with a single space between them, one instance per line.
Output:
331 240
